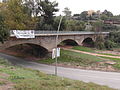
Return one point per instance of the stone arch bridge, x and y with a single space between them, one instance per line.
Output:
47 39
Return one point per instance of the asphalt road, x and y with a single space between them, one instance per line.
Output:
110 79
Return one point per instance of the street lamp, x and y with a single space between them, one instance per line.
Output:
57 44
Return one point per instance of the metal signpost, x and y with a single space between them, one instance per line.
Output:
57 44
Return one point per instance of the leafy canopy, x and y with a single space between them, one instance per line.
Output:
3 30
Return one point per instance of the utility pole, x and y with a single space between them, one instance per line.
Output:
56 59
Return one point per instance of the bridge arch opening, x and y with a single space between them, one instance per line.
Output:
68 42
29 49
88 42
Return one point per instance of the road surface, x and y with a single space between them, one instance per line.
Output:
111 79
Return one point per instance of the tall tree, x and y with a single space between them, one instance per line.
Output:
47 12
75 25
98 26
84 15
107 13
16 16
56 23
76 17
32 7
67 12
3 30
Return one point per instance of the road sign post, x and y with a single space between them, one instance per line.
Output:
55 53
56 60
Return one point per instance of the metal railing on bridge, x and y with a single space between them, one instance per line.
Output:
45 33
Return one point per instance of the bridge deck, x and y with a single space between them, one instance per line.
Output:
49 33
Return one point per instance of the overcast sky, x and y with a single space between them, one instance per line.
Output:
77 6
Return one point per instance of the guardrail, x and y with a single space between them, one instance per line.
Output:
41 33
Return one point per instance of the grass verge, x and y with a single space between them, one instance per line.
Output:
81 48
117 60
87 49
27 79
108 54
74 58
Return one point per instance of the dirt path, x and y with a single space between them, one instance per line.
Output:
94 54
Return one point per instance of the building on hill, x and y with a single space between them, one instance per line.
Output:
112 22
90 12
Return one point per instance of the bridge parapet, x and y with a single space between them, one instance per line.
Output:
47 33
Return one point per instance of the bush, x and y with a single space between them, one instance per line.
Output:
110 44
4 62
99 43
100 46
4 33
113 40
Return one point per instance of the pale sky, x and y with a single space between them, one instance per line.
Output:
77 6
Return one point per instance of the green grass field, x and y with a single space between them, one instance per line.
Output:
27 79
117 60
87 49
81 48
74 58
108 54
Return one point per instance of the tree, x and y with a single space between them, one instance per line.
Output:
76 17
67 12
110 44
104 17
97 26
113 40
2 6
3 30
107 13
115 37
4 1
99 43
74 25
56 23
88 27
47 11
16 16
84 15
32 7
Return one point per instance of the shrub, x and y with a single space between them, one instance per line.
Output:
110 44
99 43
4 62
4 33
